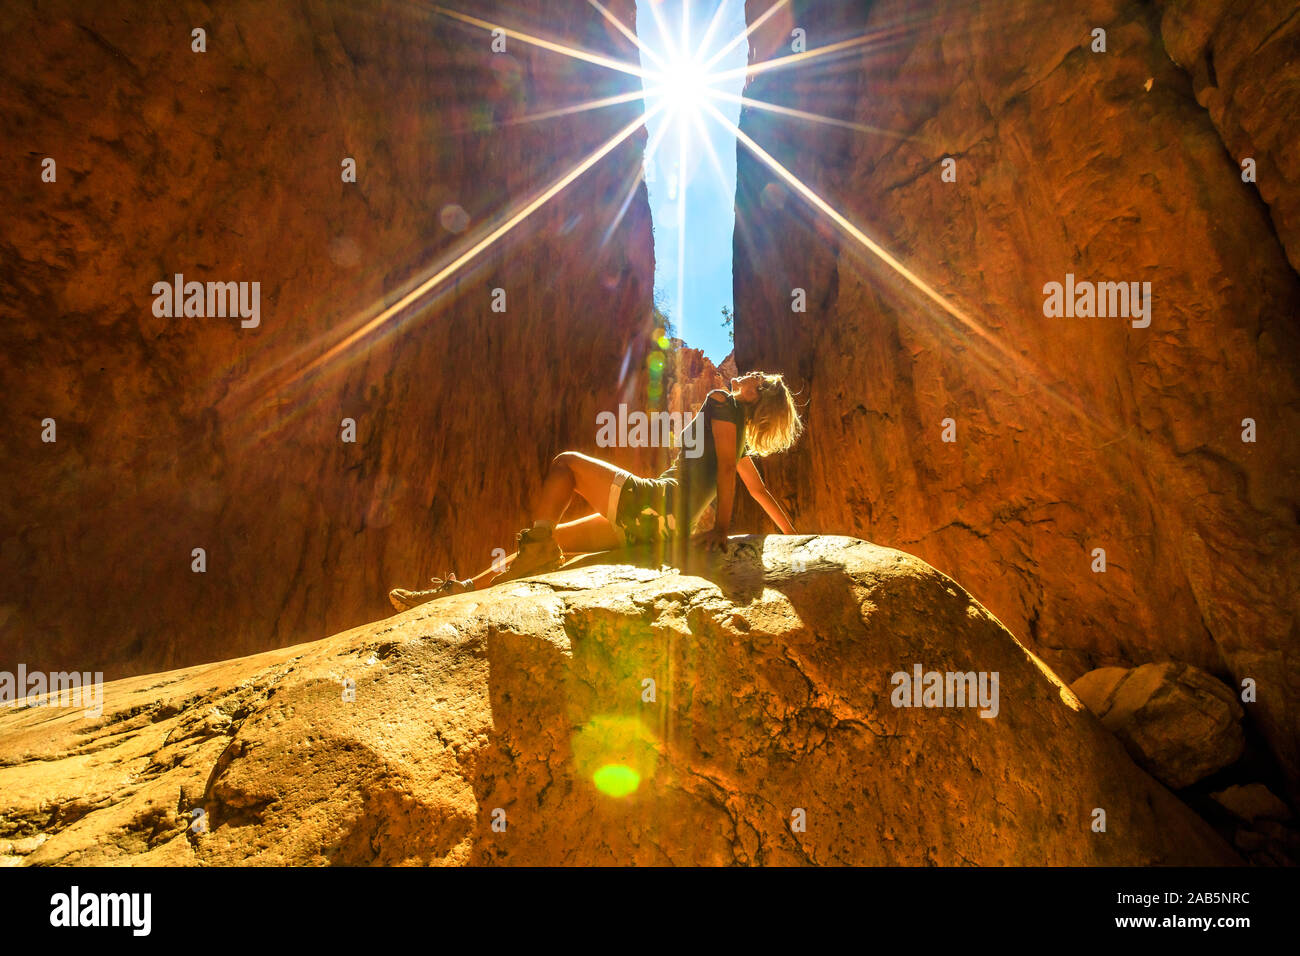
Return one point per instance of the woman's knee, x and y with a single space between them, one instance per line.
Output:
565 461
578 464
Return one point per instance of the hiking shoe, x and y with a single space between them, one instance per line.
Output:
538 553
404 600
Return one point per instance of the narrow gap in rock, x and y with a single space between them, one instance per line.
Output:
694 56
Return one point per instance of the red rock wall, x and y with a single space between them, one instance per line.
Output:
687 376
694 376
1071 433
179 433
1241 58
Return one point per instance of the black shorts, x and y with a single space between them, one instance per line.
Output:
641 509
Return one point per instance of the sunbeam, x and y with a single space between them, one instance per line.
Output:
1006 357
875 248
703 46
569 51
794 59
652 147
810 117
558 112
742 37
428 285
683 88
629 34
665 34
694 226
706 146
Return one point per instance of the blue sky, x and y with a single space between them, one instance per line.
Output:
709 192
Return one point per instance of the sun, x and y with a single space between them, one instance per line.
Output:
684 85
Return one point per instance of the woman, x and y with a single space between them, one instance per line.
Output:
756 418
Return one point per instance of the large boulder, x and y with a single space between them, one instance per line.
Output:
605 715
1177 721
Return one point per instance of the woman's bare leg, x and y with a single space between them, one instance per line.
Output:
583 536
570 473
587 535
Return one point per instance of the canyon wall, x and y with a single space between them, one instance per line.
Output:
1241 59
228 164
1068 436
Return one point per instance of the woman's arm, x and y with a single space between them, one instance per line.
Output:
758 491
724 443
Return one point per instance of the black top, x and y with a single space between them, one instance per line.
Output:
698 476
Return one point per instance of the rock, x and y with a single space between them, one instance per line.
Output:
728 370
176 434
1274 830
1177 721
694 376
1095 686
1237 53
1251 802
1071 434
1272 854
1248 841
11 848
768 736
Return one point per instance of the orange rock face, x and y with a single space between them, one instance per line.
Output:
179 433
1241 59
687 377
1015 449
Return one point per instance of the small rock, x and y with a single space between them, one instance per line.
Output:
1094 687
1251 802
1274 831
1178 722
1273 855
1248 841
24 846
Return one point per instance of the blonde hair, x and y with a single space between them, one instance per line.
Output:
772 424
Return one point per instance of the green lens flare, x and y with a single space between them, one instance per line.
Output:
616 752
616 780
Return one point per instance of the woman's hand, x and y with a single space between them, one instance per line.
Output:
712 540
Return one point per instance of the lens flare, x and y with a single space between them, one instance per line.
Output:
616 780
616 753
